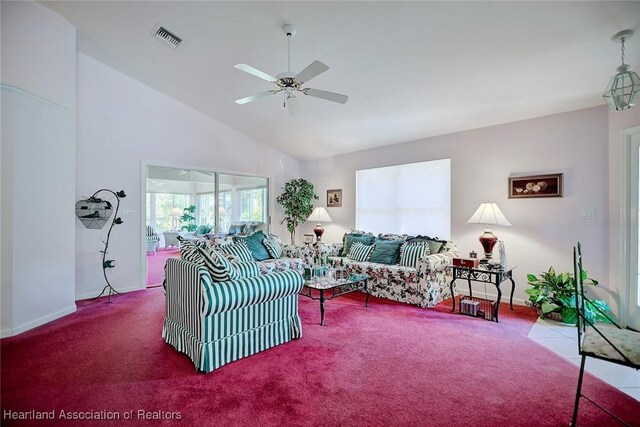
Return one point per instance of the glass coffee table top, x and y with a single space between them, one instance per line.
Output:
328 282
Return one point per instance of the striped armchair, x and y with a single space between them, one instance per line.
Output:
217 323
153 240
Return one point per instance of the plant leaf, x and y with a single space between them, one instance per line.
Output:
548 307
569 315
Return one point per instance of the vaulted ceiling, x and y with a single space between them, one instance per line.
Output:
411 69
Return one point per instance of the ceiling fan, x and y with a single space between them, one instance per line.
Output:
289 83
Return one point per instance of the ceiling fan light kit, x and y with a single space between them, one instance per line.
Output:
624 87
290 83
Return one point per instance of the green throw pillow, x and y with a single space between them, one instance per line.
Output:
254 242
435 245
350 239
386 251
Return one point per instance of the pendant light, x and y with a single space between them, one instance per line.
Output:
622 91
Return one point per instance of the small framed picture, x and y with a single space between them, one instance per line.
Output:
307 238
526 187
334 198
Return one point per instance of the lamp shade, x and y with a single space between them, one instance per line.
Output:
175 212
488 213
319 214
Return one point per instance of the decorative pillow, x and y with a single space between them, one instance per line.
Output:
246 268
239 250
435 245
254 242
410 253
360 252
350 239
273 247
189 252
220 269
386 251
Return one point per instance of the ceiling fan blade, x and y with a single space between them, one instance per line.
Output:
315 68
251 98
260 74
329 96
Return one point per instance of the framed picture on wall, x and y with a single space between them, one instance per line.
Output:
526 187
334 198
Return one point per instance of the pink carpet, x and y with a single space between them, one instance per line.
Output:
389 365
155 265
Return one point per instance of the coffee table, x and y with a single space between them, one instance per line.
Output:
330 288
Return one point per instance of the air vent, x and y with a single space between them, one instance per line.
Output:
165 36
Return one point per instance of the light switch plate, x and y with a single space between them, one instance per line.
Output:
588 213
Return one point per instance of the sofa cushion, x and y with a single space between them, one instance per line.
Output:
189 252
360 252
254 242
386 251
273 247
239 250
410 253
220 269
351 238
435 245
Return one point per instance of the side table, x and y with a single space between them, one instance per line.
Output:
484 275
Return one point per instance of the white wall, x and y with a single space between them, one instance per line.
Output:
123 124
38 166
544 230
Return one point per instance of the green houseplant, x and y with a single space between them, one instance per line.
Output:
189 218
555 293
297 203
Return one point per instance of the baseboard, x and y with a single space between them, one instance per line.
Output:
38 322
505 298
94 294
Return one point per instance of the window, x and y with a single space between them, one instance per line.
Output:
406 199
251 203
205 208
159 205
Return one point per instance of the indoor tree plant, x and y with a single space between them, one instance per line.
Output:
189 218
297 203
553 295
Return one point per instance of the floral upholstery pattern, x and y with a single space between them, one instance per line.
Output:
424 286
281 264
627 341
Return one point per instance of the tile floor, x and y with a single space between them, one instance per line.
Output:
563 340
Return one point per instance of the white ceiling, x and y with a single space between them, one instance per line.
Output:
411 69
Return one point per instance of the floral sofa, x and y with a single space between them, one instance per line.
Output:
425 285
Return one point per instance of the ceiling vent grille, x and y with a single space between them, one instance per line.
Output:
166 37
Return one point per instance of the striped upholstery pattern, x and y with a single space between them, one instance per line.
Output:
219 267
189 252
360 252
239 250
152 236
215 324
246 268
273 247
410 253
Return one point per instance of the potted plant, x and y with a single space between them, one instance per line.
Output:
553 295
189 218
297 203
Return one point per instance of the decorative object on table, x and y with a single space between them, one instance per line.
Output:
334 198
188 217
526 187
553 296
622 91
175 214
488 213
502 253
90 220
319 215
466 262
473 254
297 202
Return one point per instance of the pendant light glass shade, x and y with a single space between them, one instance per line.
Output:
623 90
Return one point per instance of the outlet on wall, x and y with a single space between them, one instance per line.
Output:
588 213
128 213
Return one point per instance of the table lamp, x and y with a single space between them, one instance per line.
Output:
175 213
489 214
319 215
